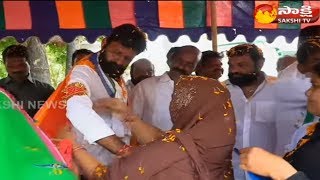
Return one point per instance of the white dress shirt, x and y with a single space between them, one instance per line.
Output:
150 99
298 134
90 126
129 86
254 120
290 71
291 105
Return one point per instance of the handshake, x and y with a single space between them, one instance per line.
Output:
116 106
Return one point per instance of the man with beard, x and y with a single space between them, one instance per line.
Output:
250 94
151 98
101 133
210 65
29 92
140 70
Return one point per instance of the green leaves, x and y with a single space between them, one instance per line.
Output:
57 58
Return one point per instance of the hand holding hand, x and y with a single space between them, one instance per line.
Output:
115 105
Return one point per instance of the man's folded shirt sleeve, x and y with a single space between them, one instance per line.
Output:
79 108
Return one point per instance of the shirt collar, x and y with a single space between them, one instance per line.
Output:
129 83
30 78
165 77
9 79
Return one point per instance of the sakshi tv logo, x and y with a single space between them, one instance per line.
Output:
266 14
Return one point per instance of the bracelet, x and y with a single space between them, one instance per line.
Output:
125 148
100 172
78 148
130 118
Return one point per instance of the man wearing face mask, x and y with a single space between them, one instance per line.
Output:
250 91
97 77
151 98
140 70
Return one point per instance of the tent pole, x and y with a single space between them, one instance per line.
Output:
214 29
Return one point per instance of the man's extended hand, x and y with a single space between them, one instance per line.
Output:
114 105
112 143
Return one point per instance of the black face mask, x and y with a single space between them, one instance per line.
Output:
112 69
139 79
242 79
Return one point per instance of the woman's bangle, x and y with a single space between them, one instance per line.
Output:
130 118
100 172
125 148
74 149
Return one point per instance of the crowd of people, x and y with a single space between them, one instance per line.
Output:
180 124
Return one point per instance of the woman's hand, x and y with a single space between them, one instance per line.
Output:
66 133
263 163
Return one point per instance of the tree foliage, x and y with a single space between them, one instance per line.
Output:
100 38
57 58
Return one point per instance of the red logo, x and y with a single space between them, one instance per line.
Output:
266 14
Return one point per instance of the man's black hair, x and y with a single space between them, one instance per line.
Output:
15 51
207 56
309 32
254 52
129 36
80 51
306 49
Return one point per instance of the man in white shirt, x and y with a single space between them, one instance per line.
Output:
97 77
140 70
151 98
251 95
290 95
291 105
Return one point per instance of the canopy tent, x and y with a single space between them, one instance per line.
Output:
44 19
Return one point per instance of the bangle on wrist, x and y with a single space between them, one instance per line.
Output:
74 149
125 148
100 171
130 117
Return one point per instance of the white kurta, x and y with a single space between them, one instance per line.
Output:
291 105
254 120
150 99
90 126
290 72
298 134
129 86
